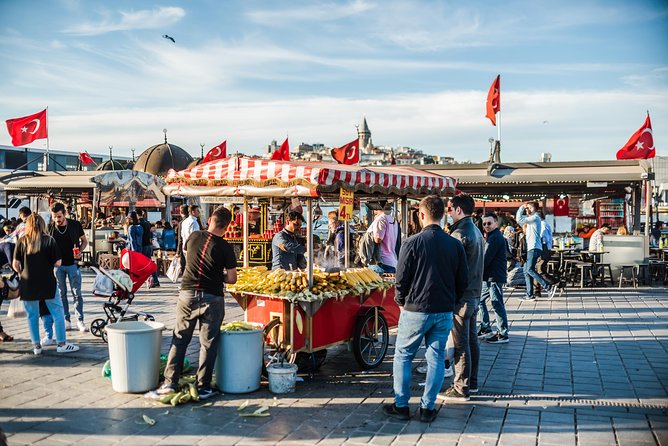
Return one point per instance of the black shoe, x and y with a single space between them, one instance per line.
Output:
453 394
428 415
497 339
206 393
484 332
400 413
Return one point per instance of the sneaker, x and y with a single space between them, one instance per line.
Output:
497 339
68 325
485 332
428 415
453 394
82 327
67 348
473 390
166 389
37 350
449 372
47 342
552 291
400 413
207 393
525 297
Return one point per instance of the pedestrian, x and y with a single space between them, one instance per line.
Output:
147 245
386 233
178 230
189 225
71 240
464 335
134 231
210 264
527 214
430 281
35 257
596 240
494 277
546 253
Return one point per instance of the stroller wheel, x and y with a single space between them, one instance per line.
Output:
148 317
97 327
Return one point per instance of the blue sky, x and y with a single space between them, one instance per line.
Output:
576 77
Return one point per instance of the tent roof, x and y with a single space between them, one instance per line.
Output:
259 177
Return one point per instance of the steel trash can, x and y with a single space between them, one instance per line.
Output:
134 354
239 361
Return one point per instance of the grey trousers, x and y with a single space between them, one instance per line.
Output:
467 351
192 307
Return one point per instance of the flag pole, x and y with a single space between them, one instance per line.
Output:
46 157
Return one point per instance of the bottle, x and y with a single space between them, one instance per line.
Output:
561 243
600 246
661 243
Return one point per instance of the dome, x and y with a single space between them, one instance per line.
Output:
195 162
110 165
158 159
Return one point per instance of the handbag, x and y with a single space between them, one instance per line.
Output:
155 244
174 270
12 289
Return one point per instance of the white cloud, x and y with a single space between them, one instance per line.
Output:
311 13
144 19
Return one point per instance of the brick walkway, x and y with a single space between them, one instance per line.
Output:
587 368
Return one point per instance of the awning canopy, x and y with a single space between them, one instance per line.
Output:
257 177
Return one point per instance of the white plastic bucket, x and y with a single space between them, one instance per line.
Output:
282 378
239 361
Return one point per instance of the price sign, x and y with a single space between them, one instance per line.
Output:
346 201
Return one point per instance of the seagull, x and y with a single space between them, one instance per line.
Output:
169 38
545 122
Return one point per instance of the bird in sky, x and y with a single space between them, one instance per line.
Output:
169 38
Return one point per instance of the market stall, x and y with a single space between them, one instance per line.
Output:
312 310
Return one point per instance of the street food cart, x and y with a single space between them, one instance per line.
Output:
309 322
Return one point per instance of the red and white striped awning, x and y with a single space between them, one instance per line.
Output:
259 177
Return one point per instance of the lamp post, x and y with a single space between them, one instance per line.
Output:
201 150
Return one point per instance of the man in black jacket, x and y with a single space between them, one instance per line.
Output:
431 278
494 276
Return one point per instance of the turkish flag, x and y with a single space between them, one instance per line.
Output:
282 153
85 158
494 100
641 144
218 152
348 154
27 129
560 206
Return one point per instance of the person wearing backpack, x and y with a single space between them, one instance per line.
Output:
386 233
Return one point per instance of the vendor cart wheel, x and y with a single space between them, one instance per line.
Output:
97 327
370 342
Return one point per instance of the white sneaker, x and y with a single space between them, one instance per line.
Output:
37 350
422 369
449 372
47 341
67 348
68 325
82 327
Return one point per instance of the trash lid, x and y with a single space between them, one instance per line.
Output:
135 327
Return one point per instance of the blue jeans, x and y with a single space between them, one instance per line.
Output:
55 307
530 271
381 269
148 252
493 292
71 273
47 322
434 328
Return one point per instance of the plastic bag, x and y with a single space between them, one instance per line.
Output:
174 270
103 285
16 309
450 349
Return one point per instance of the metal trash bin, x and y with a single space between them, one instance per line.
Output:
134 354
239 361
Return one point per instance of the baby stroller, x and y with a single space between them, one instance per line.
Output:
120 286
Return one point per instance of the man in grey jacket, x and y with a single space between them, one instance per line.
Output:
464 336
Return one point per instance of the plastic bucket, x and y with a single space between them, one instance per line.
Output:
134 354
282 377
239 361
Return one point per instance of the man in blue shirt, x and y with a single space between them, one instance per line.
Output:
546 254
527 215
287 249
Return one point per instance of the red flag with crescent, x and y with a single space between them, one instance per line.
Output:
27 129
282 153
560 206
348 154
218 152
641 144
85 158
494 100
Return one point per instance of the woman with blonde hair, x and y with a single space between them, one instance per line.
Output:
35 257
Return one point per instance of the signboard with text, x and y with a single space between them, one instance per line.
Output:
346 201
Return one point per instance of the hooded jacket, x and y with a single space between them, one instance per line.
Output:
474 245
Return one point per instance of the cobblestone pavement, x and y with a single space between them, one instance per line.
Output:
587 368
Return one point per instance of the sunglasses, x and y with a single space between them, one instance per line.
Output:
489 223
